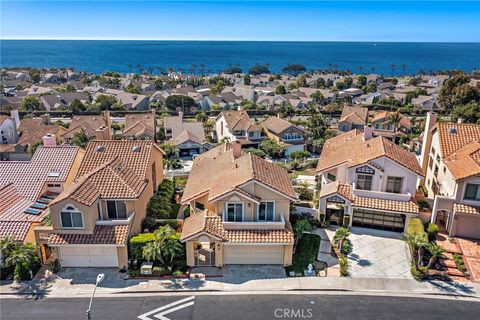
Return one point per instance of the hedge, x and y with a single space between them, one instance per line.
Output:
161 205
415 226
137 243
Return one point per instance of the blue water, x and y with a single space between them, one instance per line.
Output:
125 56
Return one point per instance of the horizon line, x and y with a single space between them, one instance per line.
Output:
232 40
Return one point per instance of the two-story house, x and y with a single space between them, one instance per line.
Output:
352 118
236 125
451 161
383 126
367 182
140 126
240 210
106 204
291 137
8 128
27 187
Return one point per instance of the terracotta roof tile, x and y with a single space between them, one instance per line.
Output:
210 223
115 235
461 135
463 208
371 203
17 229
352 149
140 123
277 125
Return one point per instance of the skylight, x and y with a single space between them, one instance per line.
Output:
136 149
53 174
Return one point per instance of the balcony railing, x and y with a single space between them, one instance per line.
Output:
278 224
380 194
116 222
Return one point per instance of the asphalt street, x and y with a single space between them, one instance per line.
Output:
224 307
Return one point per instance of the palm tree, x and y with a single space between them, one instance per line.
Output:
404 68
172 248
395 119
7 246
372 69
416 244
340 236
171 163
151 251
392 66
436 251
21 256
81 139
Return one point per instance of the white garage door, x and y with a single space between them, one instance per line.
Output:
253 255
84 256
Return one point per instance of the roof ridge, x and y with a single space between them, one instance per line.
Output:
119 161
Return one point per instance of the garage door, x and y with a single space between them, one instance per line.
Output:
378 220
468 227
253 255
84 256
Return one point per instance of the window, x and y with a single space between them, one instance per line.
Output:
364 181
432 151
266 211
292 136
365 169
116 210
394 184
430 162
71 218
435 172
239 133
472 192
331 177
199 205
234 212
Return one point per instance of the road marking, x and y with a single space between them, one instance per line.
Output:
168 308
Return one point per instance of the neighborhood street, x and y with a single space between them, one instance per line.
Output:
222 307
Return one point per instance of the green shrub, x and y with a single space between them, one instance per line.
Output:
299 155
54 266
459 262
160 271
423 204
432 231
347 247
416 274
137 243
161 204
173 223
415 226
150 223
344 266
177 273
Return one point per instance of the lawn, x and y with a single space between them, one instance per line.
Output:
306 252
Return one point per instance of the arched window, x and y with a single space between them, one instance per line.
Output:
71 218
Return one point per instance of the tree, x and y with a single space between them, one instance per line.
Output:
151 251
21 258
395 119
232 69
286 110
271 148
201 117
340 236
320 83
258 69
170 149
300 227
105 102
77 106
436 252
280 89
416 244
404 68
361 81
318 97
81 139
392 66
318 129
294 69
469 112
31 103
246 80
184 103
7 246
165 247
131 88
258 152
171 164
456 91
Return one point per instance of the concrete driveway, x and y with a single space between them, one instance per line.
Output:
379 254
243 273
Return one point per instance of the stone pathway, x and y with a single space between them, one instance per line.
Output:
324 252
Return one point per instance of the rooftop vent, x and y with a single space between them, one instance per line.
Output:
136 149
452 130
53 174
100 149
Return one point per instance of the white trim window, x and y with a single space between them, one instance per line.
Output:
116 210
234 211
266 211
71 218
394 184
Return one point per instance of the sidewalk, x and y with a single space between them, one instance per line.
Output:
67 288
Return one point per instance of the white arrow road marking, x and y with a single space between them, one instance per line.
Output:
168 308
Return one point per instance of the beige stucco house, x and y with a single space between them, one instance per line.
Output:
291 137
367 182
240 210
105 205
451 162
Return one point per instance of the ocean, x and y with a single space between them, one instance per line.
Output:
214 56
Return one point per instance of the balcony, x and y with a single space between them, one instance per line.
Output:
380 194
277 224
116 222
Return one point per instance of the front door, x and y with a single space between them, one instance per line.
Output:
335 216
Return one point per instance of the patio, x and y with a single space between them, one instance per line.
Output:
471 256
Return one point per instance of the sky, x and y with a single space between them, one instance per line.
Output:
397 21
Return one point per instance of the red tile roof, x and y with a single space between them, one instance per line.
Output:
114 235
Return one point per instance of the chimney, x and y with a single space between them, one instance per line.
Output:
102 133
49 140
108 124
460 120
46 118
236 149
430 121
15 117
367 132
